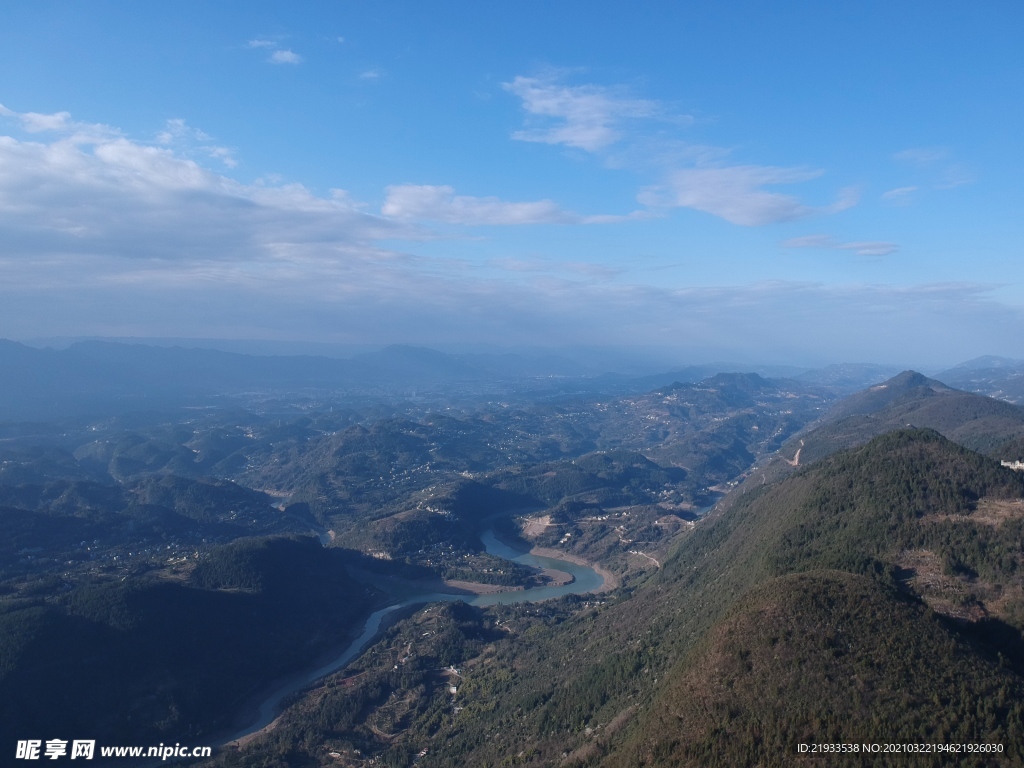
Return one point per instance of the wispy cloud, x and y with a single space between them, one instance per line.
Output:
899 196
847 198
416 202
870 247
370 74
588 117
955 175
285 56
612 122
278 54
809 241
827 242
548 266
922 156
938 164
179 134
176 129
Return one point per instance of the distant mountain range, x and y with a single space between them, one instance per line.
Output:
90 378
999 377
102 377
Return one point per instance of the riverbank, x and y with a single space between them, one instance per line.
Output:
611 581
399 588
569 574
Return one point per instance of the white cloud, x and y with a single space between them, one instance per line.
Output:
861 248
33 122
79 198
416 202
370 74
104 235
284 56
278 55
735 193
59 122
586 116
595 118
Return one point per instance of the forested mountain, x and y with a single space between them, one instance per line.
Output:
847 651
873 597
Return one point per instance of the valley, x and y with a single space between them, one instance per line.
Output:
519 582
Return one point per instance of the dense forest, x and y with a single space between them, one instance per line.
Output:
170 658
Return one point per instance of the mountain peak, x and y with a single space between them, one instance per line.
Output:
909 380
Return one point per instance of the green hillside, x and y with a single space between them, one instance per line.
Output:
793 616
827 657
846 651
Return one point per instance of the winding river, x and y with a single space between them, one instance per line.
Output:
585 579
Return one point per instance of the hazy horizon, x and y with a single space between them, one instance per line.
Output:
620 360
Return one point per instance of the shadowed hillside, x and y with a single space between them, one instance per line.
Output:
165 657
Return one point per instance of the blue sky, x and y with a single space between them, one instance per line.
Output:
791 182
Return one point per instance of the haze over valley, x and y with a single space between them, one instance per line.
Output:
238 524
